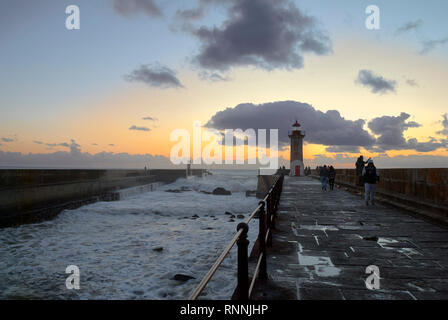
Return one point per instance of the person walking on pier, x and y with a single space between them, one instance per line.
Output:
331 177
360 163
324 177
370 176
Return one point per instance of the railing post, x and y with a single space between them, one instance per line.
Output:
243 263
269 221
274 206
262 242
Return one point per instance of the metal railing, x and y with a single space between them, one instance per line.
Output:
267 213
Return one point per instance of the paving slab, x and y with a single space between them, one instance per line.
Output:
324 241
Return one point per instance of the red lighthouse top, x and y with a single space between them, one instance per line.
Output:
296 124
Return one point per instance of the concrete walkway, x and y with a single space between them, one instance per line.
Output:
324 241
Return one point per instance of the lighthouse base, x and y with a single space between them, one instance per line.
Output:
297 169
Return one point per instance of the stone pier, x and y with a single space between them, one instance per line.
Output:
324 241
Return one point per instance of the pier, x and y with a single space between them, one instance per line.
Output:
323 243
33 195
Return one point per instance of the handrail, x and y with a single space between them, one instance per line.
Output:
257 270
220 260
215 267
272 198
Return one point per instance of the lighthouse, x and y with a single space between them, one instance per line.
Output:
296 136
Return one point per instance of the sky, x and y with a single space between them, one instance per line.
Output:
111 93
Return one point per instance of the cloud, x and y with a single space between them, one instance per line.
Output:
129 8
150 119
263 33
73 146
155 76
190 14
391 134
390 130
8 139
94 144
111 145
444 131
430 45
63 144
212 76
343 149
70 160
411 25
139 128
328 128
412 83
376 83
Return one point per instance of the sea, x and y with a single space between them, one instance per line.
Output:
133 248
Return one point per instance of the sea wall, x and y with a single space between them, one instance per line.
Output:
34 195
423 191
264 184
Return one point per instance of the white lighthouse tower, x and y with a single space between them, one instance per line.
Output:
296 136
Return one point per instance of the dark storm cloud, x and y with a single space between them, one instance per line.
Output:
135 128
376 83
199 11
432 44
390 130
426 146
327 128
343 149
132 7
263 33
409 26
155 76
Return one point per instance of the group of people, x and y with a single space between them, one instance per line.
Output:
366 173
307 171
327 176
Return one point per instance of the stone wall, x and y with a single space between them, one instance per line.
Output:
424 191
34 195
264 184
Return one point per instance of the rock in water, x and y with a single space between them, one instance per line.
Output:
182 277
222 192
240 216
158 249
374 238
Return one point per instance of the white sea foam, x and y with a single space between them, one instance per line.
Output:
112 244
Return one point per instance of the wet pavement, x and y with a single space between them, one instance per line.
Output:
324 241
